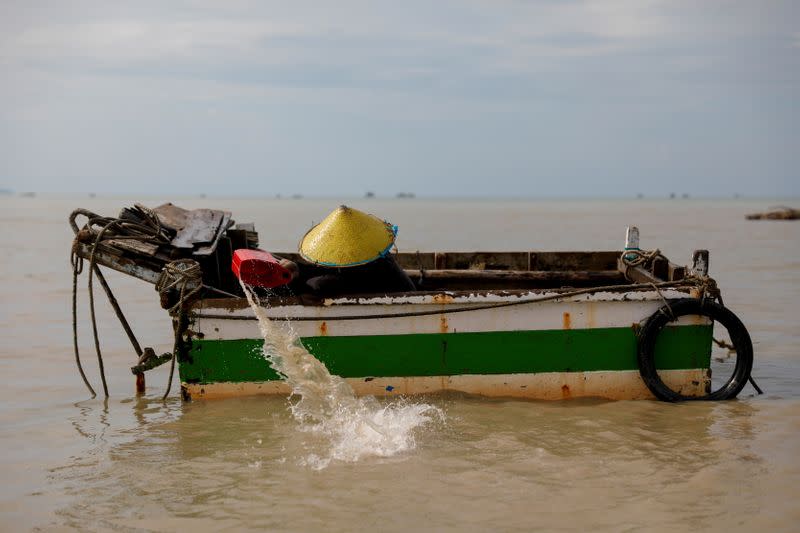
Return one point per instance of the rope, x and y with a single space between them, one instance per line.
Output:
77 267
150 230
666 303
184 275
634 258
725 345
687 282
421 270
180 326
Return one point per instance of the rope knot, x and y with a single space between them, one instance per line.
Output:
183 276
633 258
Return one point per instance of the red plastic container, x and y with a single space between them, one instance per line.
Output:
259 269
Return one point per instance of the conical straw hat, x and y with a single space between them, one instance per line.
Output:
347 237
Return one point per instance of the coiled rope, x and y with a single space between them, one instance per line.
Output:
634 258
186 276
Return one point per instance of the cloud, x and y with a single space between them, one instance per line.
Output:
452 88
510 36
133 41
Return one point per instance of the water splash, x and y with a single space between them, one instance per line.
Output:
326 404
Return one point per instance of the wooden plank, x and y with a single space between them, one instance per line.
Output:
536 261
636 274
224 223
238 238
439 260
603 260
201 227
198 228
131 245
675 272
661 268
464 260
487 260
510 280
511 275
172 216
137 269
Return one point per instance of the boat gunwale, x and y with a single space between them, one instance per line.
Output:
438 298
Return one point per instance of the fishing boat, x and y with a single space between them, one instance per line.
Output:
618 324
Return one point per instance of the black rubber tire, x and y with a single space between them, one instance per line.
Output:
691 306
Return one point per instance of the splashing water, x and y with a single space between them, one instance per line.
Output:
327 405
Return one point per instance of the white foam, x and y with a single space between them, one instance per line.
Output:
325 404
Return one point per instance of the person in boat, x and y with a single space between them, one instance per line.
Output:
351 250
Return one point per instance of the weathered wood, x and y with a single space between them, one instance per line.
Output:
676 272
513 279
249 233
201 227
139 247
636 274
660 268
439 260
136 268
172 216
605 260
601 265
238 238
543 275
224 224
246 226
198 229
488 261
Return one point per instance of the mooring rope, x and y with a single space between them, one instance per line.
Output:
116 229
686 283
77 267
185 276
634 258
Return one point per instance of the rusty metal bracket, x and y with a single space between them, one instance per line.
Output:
149 361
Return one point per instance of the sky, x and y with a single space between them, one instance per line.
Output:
468 98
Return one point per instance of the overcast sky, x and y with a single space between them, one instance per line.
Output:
540 98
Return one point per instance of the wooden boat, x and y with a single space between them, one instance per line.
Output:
620 324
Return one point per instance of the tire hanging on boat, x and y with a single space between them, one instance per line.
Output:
739 336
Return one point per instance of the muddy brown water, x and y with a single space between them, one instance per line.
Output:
137 464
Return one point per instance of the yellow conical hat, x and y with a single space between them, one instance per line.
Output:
347 237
